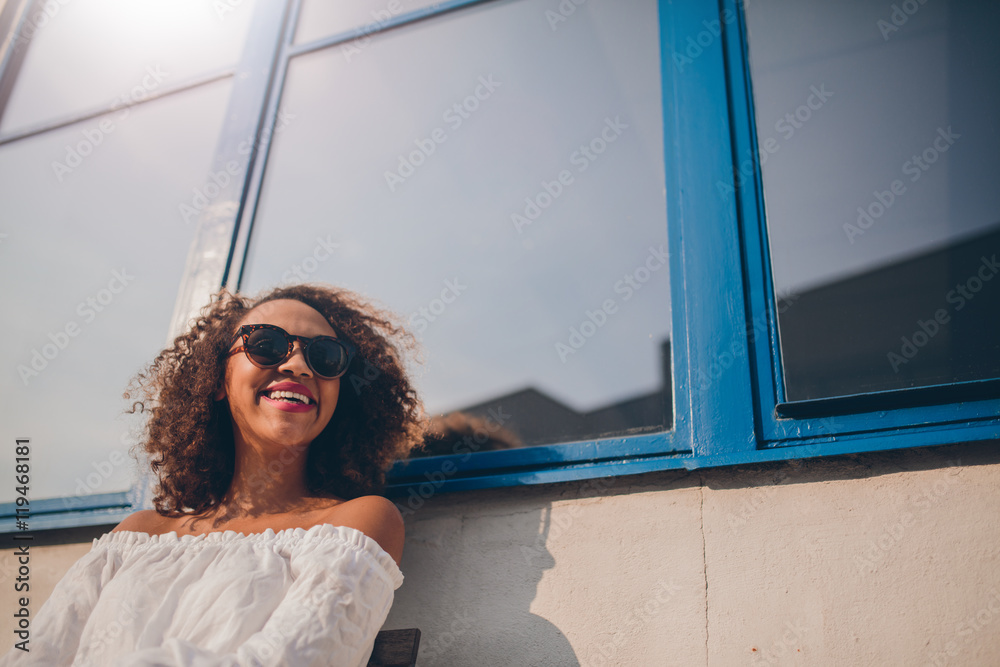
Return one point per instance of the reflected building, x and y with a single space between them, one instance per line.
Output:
929 319
531 417
916 322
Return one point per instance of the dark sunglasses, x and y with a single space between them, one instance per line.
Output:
268 346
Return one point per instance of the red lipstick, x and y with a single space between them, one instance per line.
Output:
296 399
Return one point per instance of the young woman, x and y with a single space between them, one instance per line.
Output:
270 424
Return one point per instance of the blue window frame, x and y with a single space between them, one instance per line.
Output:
530 465
961 411
728 395
729 405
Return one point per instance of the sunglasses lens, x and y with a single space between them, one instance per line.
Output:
328 358
267 347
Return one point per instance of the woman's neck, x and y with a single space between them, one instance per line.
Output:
267 482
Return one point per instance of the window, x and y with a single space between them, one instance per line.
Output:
875 217
509 203
886 239
92 244
630 236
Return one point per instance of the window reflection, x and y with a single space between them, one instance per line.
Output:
88 54
509 203
321 18
877 132
92 259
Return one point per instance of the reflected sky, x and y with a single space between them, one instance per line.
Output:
581 100
99 253
890 89
322 18
88 53
879 134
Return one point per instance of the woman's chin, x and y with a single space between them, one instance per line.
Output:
282 435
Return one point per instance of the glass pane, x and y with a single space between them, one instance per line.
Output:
91 263
878 134
320 18
510 202
89 53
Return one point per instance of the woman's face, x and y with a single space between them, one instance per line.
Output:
261 417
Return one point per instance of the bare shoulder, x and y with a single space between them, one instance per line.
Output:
143 521
376 517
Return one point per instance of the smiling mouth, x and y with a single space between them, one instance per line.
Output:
288 397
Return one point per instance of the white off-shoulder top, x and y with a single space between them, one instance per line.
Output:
298 596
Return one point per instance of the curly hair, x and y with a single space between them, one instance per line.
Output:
189 434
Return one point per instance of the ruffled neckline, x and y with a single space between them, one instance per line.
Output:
136 537
321 531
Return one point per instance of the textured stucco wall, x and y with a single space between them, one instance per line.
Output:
889 558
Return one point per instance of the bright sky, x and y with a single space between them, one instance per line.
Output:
593 78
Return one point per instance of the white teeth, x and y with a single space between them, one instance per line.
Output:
277 395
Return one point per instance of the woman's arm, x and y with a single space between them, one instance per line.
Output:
57 627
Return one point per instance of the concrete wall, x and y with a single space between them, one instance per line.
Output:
888 558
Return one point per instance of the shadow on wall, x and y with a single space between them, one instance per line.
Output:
481 613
